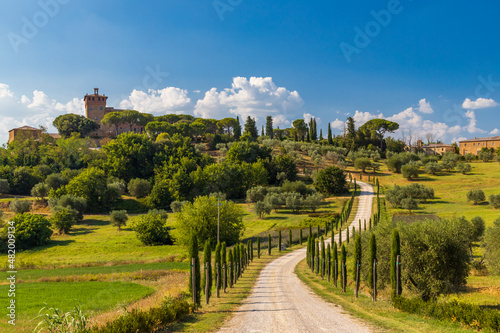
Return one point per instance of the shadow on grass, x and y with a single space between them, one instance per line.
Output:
52 243
94 222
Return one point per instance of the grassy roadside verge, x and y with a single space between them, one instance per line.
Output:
209 318
380 315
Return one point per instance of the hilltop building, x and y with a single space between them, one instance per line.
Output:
475 145
96 109
28 132
431 149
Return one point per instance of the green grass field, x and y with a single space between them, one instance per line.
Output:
451 189
94 297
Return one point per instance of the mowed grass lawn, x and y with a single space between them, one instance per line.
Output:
94 241
450 190
94 297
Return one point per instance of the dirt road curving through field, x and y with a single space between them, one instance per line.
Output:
280 302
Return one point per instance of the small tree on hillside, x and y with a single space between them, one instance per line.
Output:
395 252
4 186
478 228
63 220
495 200
409 171
331 181
139 188
118 218
262 208
492 240
476 196
20 206
432 168
464 168
362 163
410 204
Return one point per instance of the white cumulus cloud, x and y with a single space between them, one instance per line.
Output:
480 103
159 102
495 131
257 97
424 106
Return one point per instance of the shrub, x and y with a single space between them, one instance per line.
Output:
114 192
331 181
118 218
139 188
476 196
312 201
395 162
432 168
294 187
478 228
69 201
151 229
362 163
64 219
160 197
442 248
410 171
31 230
294 201
256 194
55 181
495 200
20 206
176 206
410 204
485 155
469 157
416 191
464 168
492 240
262 208
4 186
91 185
151 320
200 217
473 315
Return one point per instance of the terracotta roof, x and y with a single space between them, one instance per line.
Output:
491 138
25 128
437 145
55 135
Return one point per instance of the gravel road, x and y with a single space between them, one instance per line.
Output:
280 302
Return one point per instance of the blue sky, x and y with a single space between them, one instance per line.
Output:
432 67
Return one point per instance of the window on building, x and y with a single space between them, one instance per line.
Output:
96 119
100 108
91 108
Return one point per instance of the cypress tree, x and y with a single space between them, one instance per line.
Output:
321 134
243 257
193 253
262 131
340 237
207 259
300 236
359 225
317 250
230 267
258 247
343 258
295 137
290 237
326 228
248 250
269 127
310 230
330 139
308 252
251 249
370 224
357 254
347 235
365 224
328 260
237 129
236 257
372 255
218 266
308 137
395 251
313 252
269 244
224 259
335 263
319 231
279 241
323 256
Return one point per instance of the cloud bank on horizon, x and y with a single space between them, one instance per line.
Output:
257 97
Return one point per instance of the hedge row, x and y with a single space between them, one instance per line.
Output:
468 314
147 321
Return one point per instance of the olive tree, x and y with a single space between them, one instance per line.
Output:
492 240
118 218
476 196
331 181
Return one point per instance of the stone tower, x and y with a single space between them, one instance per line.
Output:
95 106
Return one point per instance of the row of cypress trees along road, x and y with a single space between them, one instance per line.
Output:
329 263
